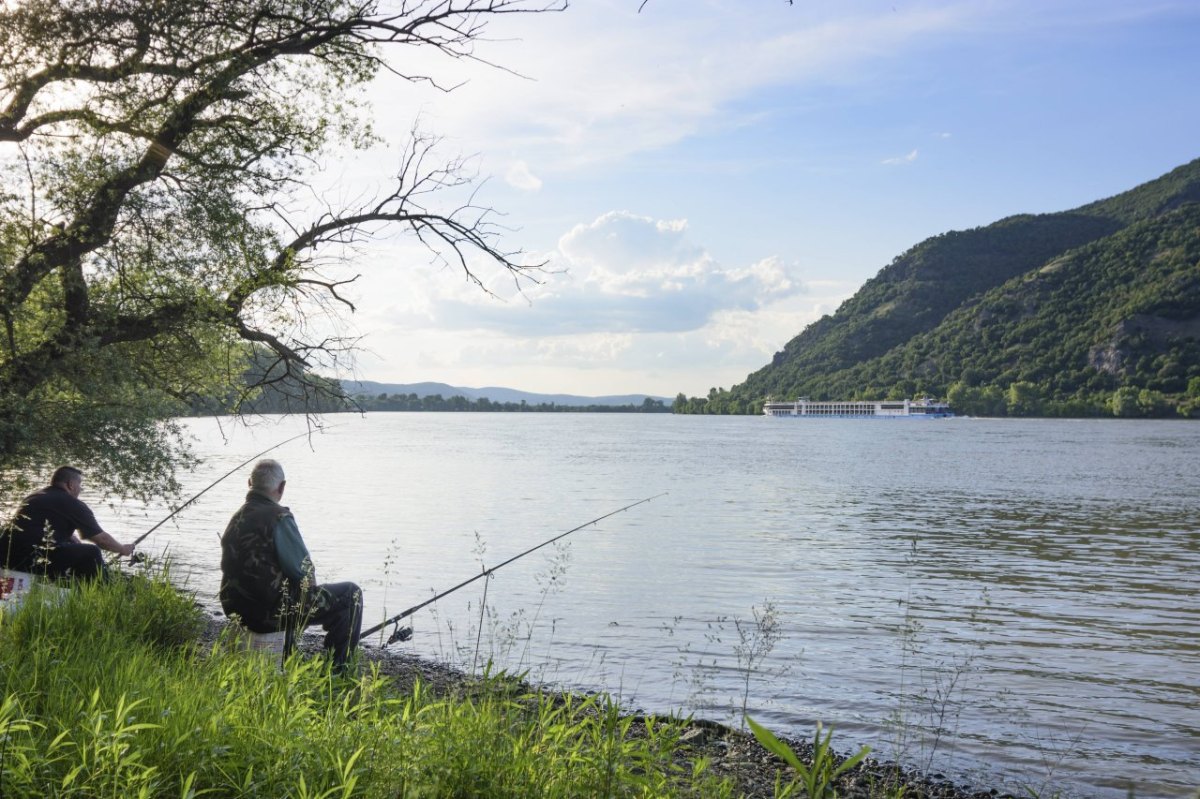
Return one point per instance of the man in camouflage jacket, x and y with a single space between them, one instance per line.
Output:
267 576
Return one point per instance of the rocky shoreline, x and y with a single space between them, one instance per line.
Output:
731 753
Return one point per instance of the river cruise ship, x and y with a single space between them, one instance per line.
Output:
924 408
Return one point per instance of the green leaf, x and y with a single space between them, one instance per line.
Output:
774 745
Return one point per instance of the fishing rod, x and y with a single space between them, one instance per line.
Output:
404 633
214 483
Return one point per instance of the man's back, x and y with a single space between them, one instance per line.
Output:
53 509
267 575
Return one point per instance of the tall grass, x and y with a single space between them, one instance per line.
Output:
103 693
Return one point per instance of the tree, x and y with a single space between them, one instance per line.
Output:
1189 406
1024 399
1124 401
158 158
1152 403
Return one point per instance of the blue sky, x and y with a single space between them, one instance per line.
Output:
707 177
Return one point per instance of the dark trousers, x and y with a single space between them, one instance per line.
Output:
81 561
337 607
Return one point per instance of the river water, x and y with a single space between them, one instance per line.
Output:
1008 602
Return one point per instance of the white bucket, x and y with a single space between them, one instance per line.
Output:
272 643
14 585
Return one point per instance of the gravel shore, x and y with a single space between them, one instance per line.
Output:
731 753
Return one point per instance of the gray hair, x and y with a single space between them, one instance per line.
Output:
267 475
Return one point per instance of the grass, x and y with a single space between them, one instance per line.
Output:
106 694
817 777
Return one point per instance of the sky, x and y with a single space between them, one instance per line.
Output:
705 178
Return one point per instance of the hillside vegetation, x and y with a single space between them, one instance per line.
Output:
1094 311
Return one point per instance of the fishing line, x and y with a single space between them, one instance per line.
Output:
214 483
404 633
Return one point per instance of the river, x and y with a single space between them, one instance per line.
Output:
1008 602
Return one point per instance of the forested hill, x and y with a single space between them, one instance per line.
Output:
1085 312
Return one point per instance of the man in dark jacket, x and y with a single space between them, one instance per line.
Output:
267 577
42 537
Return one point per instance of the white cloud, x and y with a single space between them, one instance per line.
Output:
722 352
626 274
622 242
600 81
903 159
641 307
520 177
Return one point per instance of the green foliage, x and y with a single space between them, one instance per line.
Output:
818 777
1031 316
719 402
97 701
1024 399
142 608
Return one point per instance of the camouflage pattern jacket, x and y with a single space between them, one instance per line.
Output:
253 584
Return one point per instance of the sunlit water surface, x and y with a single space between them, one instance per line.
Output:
1012 603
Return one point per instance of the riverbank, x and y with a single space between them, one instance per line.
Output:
109 689
729 753
130 688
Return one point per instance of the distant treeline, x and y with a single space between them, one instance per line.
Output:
436 402
265 388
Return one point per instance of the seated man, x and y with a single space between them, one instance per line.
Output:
42 538
267 577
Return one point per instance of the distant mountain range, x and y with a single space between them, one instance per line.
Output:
1094 311
493 393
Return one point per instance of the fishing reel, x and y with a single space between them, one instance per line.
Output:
399 634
